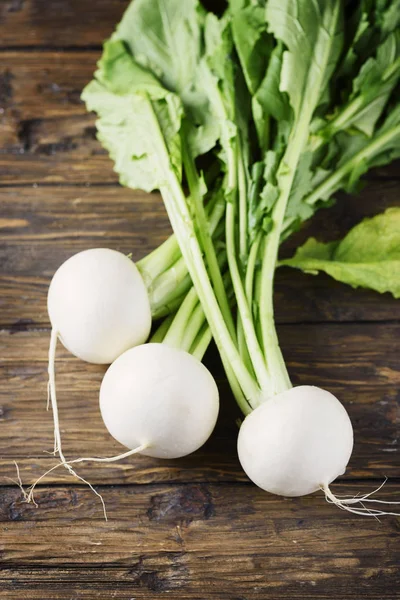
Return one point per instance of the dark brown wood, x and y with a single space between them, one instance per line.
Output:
58 23
357 362
195 541
45 85
68 23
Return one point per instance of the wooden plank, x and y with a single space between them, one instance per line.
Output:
357 362
41 226
48 135
60 23
63 169
69 23
45 85
63 150
195 542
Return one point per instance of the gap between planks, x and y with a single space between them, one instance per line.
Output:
46 328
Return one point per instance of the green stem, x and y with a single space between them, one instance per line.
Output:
276 365
334 180
244 351
253 345
159 260
165 289
160 333
197 321
345 117
201 343
242 190
297 141
205 237
251 267
392 69
183 226
178 212
188 331
175 334
169 291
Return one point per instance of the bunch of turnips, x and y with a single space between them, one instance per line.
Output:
246 123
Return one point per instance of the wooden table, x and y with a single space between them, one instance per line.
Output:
194 528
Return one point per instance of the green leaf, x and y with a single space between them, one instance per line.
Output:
357 28
350 155
166 38
264 190
269 101
369 255
388 15
253 43
312 32
217 73
268 96
297 210
375 82
138 119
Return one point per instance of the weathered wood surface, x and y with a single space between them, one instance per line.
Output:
193 528
60 23
194 541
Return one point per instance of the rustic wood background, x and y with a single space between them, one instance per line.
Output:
194 528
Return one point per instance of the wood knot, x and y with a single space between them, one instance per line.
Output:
188 503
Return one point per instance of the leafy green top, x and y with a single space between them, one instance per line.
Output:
368 256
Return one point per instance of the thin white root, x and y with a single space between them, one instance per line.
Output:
18 482
57 435
51 392
347 503
29 497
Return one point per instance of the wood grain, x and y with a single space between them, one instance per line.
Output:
58 23
44 225
68 23
195 541
357 362
45 85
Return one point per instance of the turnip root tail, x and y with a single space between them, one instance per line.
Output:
355 504
52 397
29 497
51 392
57 435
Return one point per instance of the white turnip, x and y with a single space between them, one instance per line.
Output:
160 398
296 442
98 305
